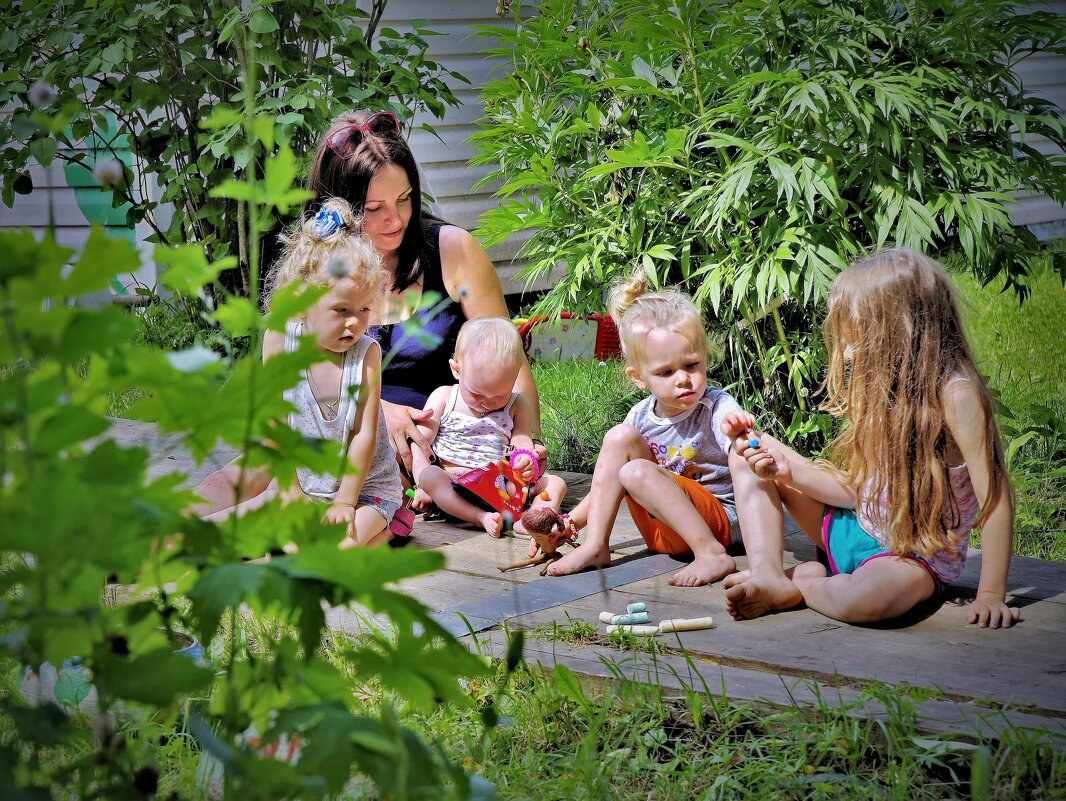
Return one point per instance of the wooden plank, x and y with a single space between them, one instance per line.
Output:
943 651
940 649
740 684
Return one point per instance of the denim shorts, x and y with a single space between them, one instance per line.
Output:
383 507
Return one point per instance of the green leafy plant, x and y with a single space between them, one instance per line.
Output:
79 512
123 73
580 400
749 150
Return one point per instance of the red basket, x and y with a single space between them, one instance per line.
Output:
605 346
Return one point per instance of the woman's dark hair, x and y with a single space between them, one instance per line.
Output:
332 176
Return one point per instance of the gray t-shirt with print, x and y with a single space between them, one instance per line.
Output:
692 443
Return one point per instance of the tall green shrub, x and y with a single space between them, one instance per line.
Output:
749 150
161 68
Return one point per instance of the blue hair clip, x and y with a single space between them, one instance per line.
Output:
326 223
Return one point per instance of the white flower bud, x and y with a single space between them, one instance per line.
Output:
109 172
41 95
338 268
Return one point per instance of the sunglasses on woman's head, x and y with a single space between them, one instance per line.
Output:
346 139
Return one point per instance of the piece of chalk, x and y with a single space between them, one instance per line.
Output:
629 620
605 617
637 631
753 443
638 607
686 624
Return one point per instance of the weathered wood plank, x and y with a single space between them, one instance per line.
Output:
752 685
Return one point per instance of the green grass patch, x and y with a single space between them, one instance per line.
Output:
577 631
1021 348
566 737
580 400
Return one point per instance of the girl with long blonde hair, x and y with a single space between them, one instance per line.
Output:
917 464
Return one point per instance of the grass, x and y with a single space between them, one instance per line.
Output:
577 631
579 401
617 740
557 736
1021 349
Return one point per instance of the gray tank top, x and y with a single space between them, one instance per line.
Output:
382 479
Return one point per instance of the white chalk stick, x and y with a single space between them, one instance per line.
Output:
637 631
686 624
605 617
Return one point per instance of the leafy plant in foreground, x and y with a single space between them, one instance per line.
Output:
79 512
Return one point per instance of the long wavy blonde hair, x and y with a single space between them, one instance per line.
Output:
313 256
637 311
894 338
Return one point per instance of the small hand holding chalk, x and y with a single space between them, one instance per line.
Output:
753 441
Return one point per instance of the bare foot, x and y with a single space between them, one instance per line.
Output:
703 570
492 522
582 557
757 594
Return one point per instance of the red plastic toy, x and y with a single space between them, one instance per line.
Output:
489 484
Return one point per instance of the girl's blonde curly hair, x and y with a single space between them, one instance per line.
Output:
325 249
637 311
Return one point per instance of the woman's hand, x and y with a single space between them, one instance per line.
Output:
402 422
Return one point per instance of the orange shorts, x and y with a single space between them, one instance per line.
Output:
663 539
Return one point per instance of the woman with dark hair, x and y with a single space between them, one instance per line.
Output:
365 159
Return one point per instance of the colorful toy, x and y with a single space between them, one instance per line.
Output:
491 486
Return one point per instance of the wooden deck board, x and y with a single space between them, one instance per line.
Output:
1024 666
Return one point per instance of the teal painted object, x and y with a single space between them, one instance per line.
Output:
71 686
94 202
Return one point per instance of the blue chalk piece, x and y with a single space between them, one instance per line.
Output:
629 620
753 443
638 607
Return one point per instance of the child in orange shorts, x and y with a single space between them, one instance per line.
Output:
671 457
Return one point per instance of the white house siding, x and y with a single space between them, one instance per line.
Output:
1044 74
443 161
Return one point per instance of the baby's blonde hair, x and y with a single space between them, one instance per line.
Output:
637 312
496 339
319 253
